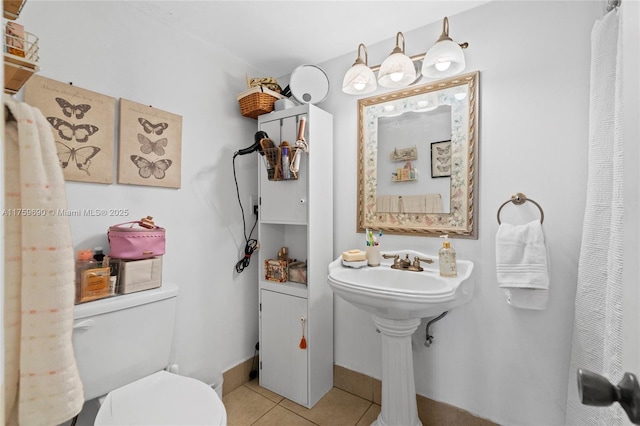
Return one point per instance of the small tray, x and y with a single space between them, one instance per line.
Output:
355 264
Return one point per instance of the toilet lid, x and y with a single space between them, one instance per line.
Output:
162 399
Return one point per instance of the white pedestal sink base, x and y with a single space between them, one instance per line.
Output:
398 384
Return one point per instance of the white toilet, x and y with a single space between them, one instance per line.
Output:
123 346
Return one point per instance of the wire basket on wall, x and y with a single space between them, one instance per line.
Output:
273 162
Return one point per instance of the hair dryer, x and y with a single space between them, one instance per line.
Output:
256 144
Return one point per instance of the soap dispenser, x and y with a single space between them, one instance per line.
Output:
447 259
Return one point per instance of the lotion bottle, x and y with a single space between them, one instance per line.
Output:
447 259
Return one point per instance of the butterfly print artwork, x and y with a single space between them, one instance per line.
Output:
152 128
81 156
444 150
444 168
444 159
148 168
68 131
148 146
71 110
82 125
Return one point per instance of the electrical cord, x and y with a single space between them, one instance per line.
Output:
251 244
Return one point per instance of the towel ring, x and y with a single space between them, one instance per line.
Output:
518 199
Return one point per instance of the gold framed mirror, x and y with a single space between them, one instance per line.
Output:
417 159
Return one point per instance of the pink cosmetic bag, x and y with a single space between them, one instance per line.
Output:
133 243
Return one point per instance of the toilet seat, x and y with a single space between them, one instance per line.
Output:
162 398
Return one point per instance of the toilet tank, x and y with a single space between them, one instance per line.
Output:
121 339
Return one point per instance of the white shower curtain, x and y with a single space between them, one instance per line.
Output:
597 335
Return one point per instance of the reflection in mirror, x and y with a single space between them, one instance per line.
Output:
417 159
410 176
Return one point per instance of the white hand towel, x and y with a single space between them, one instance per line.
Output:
521 265
42 383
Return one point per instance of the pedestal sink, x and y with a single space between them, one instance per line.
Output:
398 300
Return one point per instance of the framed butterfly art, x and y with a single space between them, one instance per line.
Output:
82 123
150 146
441 159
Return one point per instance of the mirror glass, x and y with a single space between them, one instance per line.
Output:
417 159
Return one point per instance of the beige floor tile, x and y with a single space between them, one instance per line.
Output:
244 406
255 386
280 416
370 415
336 408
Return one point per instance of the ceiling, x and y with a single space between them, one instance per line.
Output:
277 36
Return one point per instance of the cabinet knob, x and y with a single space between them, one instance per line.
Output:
302 201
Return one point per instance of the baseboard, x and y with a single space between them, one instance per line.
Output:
236 376
430 412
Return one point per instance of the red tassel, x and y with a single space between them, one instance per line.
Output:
303 341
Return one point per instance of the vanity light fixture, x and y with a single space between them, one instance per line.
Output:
398 70
444 59
359 79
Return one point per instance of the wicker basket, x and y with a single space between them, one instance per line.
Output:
273 160
257 101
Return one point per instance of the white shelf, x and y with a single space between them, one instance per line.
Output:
298 214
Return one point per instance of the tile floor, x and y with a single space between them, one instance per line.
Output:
251 404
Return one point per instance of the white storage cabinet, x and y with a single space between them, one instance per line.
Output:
297 214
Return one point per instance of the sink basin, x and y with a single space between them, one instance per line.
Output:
397 294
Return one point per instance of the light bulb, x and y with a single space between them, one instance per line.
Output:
460 96
396 76
442 66
359 86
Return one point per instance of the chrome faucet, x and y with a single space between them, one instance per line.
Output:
406 264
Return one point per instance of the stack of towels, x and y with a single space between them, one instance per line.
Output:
522 265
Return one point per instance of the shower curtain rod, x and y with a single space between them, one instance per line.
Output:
612 4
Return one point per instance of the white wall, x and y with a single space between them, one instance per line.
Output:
114 49
508 365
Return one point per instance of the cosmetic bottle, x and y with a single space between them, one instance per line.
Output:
98 255
447 259
85 261
286 171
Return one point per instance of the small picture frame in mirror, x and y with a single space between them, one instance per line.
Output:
441 159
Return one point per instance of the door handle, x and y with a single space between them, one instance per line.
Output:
596 390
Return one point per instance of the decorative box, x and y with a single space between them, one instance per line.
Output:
298 272
275 270
138 275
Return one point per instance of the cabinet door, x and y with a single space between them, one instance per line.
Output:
283 364
283 201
